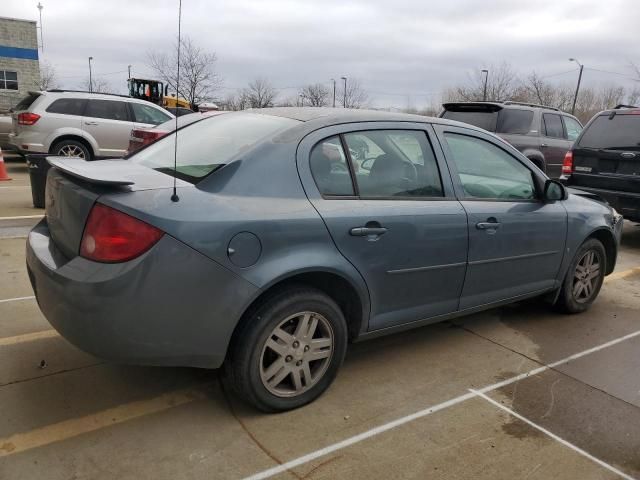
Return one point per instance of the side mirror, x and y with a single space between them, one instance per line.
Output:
554 191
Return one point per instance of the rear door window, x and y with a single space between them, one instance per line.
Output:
619 132
553 125
514 121
108 109
330 168
68 106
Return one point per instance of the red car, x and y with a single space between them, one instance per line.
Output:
141 137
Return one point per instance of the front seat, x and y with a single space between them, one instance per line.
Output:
390 175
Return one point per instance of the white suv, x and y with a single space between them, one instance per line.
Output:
80 124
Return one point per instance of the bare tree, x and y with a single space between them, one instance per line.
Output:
502 82
355 96
316 95
234 102
198 78
98 85
259 93
48 76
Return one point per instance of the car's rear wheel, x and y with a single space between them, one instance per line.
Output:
288 350
584 277
71 148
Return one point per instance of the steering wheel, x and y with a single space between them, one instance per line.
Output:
517 192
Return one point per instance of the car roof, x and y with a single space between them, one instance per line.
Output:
98 96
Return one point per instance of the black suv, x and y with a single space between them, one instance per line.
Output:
543 134
605 159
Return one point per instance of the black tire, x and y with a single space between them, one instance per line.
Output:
245 365
568 301
65 147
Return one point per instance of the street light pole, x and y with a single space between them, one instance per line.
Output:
344 100
575 97
40 7
90 78
334 92
486 78
129 67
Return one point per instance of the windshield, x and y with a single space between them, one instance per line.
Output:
620 132
207 145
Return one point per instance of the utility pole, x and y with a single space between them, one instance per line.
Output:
334 92
129 67
40 7
344 100
90 79
486 78
575 97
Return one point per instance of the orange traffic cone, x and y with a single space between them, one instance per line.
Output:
3 170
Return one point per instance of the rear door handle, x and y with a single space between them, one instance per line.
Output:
487 225
366 231
543 145
91 123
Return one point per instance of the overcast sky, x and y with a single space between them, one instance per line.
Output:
401 50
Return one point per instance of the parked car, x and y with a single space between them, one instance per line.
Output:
5 129
80 124
274 250
141 137
542 134
605 159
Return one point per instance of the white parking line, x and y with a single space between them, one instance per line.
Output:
6 300
28 337
554 436
22 217
428 411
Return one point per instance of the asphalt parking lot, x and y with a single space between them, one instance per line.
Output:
515 392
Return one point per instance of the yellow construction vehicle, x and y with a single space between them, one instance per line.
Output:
156 92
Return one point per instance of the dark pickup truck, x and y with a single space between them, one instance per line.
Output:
543 134
605 160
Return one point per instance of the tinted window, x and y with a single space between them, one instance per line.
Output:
109 109
622 131
402 164
147 114
486 171
553 125
67 106
573 128
26 102
330 169
483 119
207 145
515 121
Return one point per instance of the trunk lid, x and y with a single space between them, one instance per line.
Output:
74 185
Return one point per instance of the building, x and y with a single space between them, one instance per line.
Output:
19 67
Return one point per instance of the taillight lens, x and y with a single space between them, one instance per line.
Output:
28 118
567 163
140 138
111 236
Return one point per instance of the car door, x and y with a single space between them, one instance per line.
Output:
516 241
148 116
387 200
109 123
554 143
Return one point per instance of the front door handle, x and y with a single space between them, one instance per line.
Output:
91 123
543 145
488 225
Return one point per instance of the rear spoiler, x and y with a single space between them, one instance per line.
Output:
117 173
472 107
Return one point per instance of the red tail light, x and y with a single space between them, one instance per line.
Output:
111 236
140 138
567 164
27 118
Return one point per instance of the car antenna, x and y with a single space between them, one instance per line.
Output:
174 196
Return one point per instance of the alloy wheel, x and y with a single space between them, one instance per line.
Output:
71 151
296 354
586 276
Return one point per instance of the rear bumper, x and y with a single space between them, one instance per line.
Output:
170 306
626 203
26 144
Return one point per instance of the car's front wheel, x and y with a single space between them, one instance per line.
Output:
584 277
288 350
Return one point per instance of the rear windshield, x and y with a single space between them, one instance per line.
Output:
482 119
513 121
207 145
26 102
619 132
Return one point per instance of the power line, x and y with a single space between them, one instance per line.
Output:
613 73
560 73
